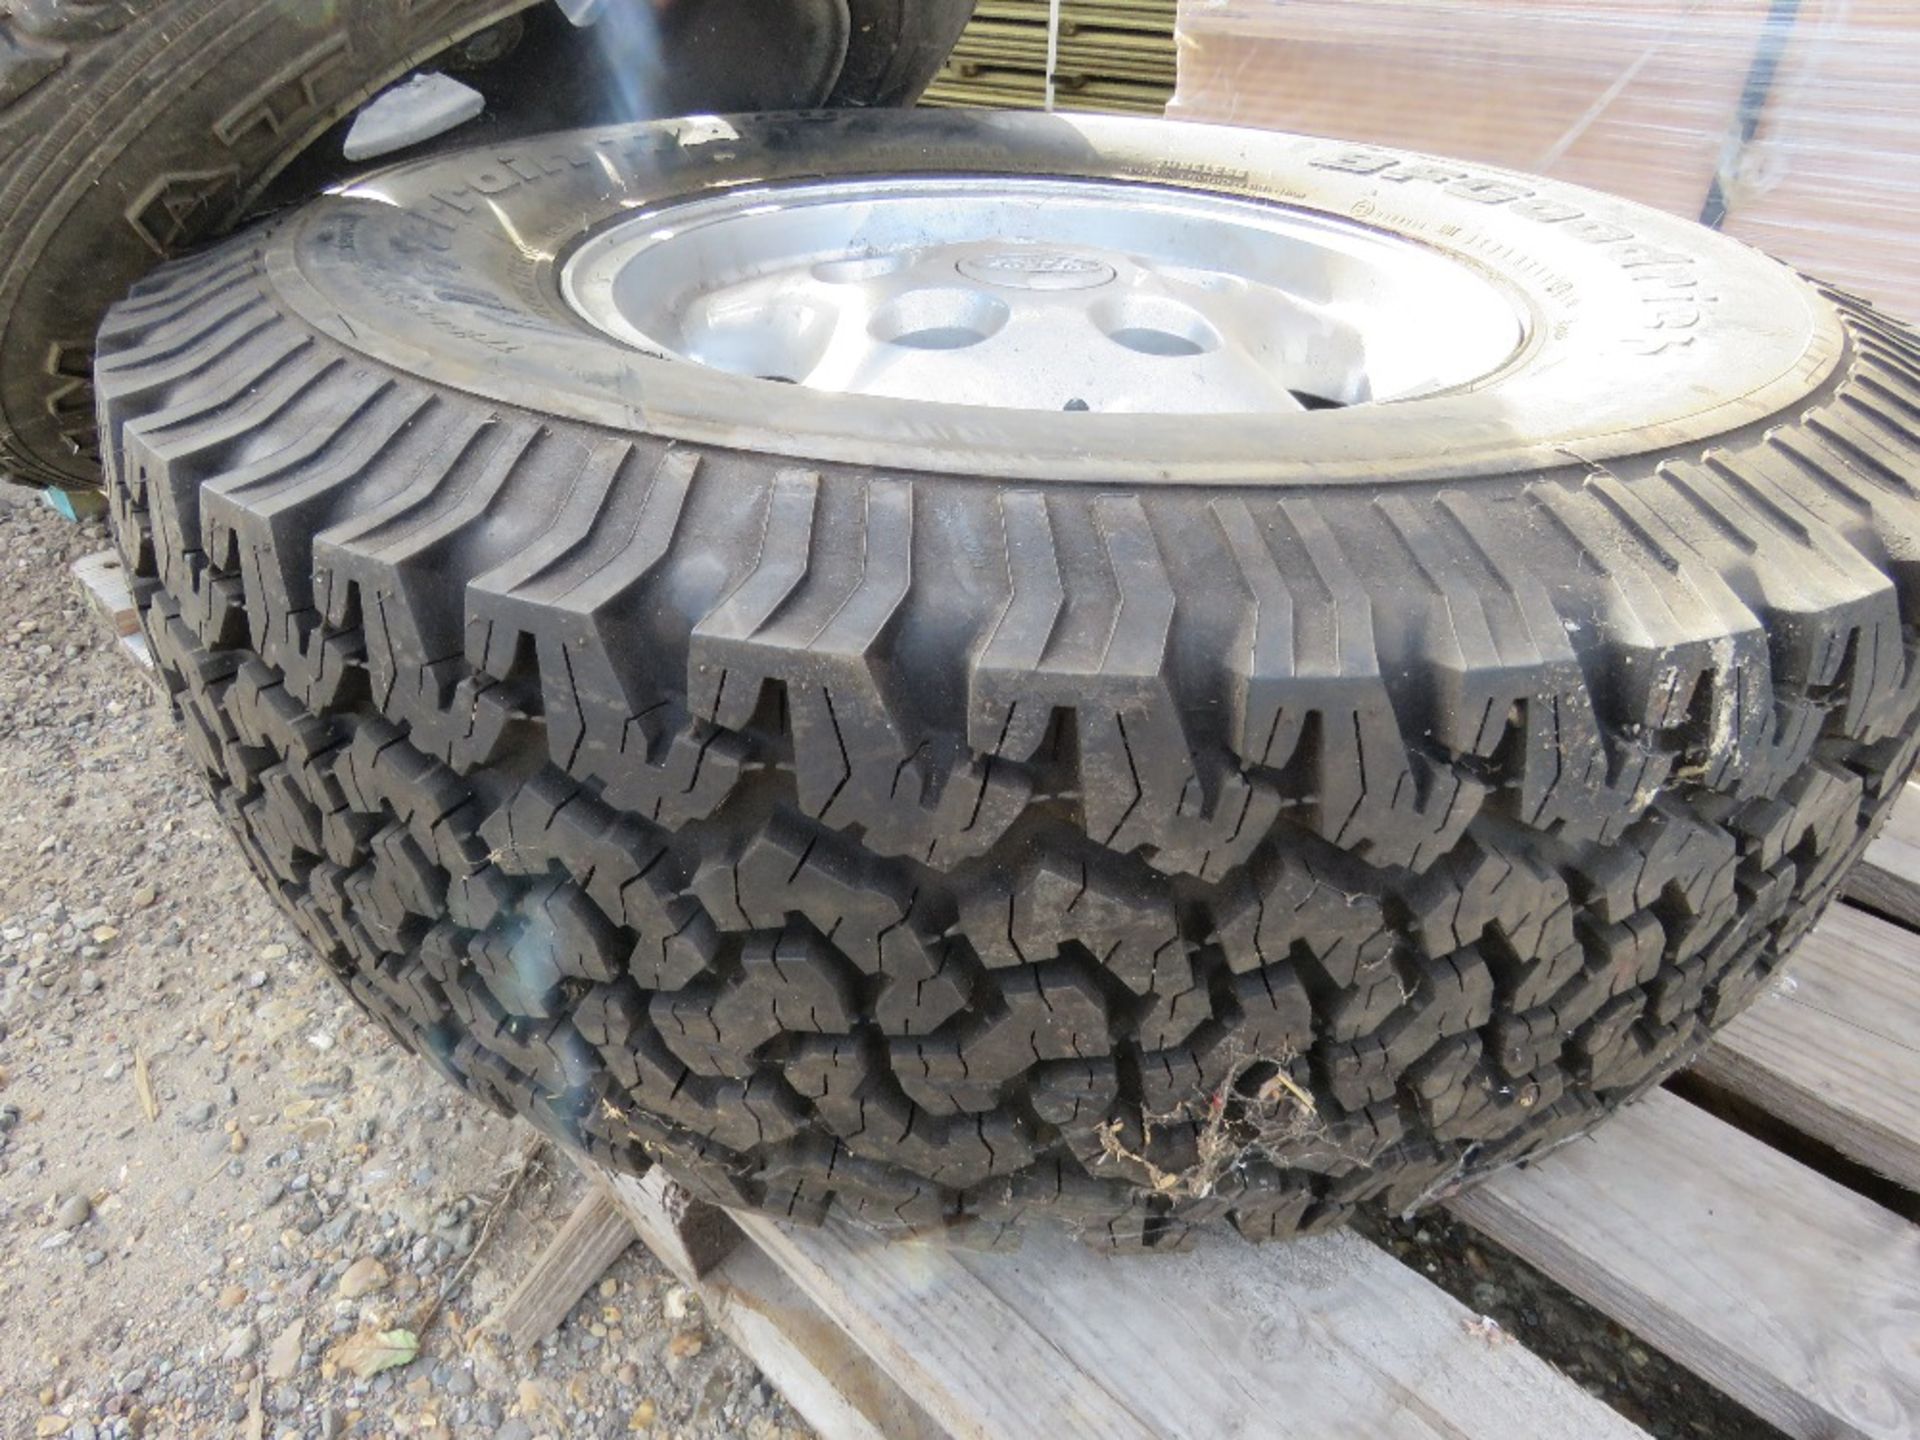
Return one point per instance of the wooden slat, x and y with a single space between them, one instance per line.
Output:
1834 1048
1326 1337
593 1237
104 582
809 1358
1887 878
688 1236
1793 1295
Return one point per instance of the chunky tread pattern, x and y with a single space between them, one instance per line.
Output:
951 854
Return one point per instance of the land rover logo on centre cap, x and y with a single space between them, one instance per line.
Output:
1037 270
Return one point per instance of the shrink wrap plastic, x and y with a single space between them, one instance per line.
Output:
1791 124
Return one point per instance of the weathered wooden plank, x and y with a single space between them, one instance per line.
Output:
1784 1290
811 1361
1833 1049
689 1236
1329 1336
826 1377
104 582
1887 878
974 1363
592 1238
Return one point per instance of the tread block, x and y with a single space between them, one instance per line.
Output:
1317 905
870 914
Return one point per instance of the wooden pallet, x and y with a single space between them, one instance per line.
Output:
1783 1288
1888 878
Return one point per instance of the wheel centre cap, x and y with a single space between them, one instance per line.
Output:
1037 270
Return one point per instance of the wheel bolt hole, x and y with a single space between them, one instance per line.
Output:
938 319
854 268
1155 325
938 337
1145 340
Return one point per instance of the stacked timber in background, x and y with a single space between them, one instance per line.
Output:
1114 56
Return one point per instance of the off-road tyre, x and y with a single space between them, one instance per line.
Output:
1189 821
132 129
897 47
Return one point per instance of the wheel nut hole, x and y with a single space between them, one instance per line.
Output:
853 268
1146 340
1155 325
938 319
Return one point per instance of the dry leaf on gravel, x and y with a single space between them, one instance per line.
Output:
369 1352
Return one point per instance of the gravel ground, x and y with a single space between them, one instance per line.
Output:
216 1179
210 1263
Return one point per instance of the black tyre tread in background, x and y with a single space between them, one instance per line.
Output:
129 129
898 46
132 129
941 850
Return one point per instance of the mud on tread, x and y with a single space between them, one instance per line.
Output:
830 890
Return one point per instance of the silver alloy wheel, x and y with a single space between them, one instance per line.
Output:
1040 294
